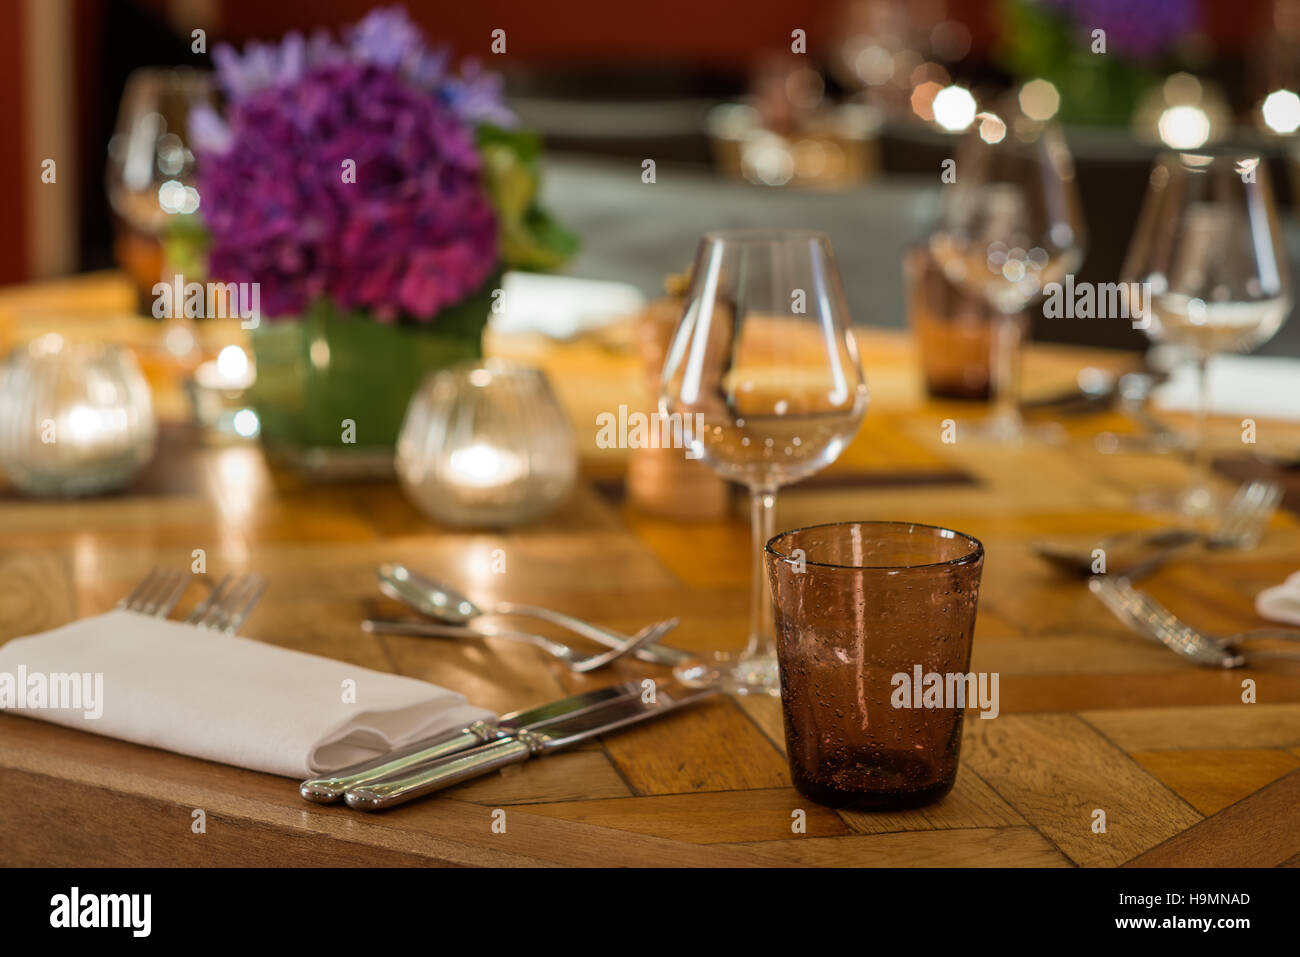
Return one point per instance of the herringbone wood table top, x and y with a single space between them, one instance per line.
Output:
1092 717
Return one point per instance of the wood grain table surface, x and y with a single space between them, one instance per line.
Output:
1092 716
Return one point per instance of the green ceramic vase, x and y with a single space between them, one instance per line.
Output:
332 387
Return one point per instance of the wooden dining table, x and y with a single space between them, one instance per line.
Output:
1187 765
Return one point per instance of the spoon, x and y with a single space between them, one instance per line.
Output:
441 601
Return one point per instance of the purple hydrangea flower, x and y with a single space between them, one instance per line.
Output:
1138 30
387 38
413 234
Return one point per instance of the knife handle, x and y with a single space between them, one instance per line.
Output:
330 788
392 791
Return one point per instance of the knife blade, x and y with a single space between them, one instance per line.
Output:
330 788
400 787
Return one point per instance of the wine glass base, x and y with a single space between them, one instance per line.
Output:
755 675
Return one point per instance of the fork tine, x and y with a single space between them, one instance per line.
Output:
200 611
219 615
153 601
1246 516
256 588
1236 513
180 582
1181 636
1271 499
142 586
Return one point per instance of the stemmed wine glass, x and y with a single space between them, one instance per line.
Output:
764 357
1011 224
152 185
1209 255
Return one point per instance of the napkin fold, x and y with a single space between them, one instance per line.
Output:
219 697
1281 602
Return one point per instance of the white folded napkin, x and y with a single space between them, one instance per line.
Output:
1263 386
215 696
561 307
1281 602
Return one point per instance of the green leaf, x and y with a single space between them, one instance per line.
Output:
528 235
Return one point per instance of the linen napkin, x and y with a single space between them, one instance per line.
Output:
1263 386
219 697
1281 602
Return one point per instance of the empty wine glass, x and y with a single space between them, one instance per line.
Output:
152 184
151 168
764 371
1208 252
1011 224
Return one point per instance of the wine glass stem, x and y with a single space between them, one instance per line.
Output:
1004 377
1200 440
762 500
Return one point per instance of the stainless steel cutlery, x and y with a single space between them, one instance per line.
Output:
157 593
442 602
1153 620
331 787
617 713
225 608
1133 555
228 604
575 660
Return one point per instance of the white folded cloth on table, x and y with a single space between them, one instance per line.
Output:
219 697
1281 602
1264 386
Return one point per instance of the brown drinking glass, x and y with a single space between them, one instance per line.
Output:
857 605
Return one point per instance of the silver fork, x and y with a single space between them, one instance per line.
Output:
1246 516
157 593
1242 526
575 660
1153 620
228 604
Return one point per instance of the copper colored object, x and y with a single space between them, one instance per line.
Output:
953 330
862 609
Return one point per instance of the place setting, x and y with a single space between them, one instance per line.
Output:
416 458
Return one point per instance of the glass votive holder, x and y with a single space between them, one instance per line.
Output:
75 419
486 444
865 613
218 393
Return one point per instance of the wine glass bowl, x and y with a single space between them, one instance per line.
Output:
764 360
151 177
1209 268
151 174
1011 225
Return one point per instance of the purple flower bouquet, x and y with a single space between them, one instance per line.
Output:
375 195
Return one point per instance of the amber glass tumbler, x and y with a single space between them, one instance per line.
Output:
858 604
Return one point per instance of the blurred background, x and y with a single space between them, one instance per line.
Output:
847 137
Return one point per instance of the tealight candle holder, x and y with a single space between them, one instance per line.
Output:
486 444
218 394
74 419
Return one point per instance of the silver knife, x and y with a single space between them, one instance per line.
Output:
400 787
329 788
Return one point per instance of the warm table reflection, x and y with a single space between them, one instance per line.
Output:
1091 716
